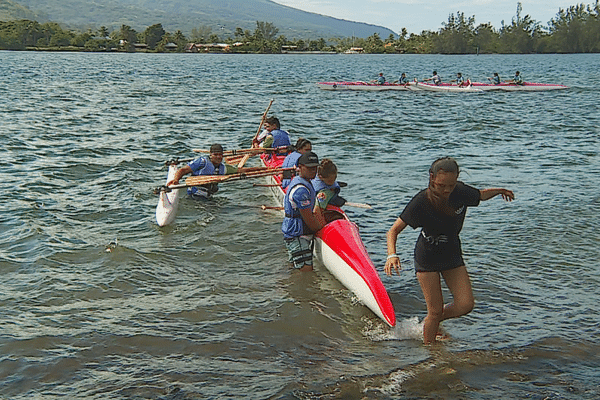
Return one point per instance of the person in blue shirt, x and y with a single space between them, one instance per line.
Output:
300 221
210 165
326 186
276 137
435 79
291 160
380 79
495 79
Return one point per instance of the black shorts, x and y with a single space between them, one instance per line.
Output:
439 267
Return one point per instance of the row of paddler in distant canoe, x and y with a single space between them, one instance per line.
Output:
435 84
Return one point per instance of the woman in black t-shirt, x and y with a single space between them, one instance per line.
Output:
440 211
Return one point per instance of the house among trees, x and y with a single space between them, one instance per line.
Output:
210 47
355 50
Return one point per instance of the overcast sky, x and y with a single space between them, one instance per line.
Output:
418 15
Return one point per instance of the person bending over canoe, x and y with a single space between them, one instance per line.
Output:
326 186
300 222
440 212
435 79
291 160
210 165
275 137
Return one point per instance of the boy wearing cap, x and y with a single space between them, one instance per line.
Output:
211 165
300 223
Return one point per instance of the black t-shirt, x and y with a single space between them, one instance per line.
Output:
438 245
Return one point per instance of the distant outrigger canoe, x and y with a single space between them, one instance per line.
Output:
474 87
360 85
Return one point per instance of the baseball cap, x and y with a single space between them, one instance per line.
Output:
309 159
216 148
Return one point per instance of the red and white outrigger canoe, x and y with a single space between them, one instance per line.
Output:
339 248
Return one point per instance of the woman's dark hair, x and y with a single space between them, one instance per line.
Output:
446 164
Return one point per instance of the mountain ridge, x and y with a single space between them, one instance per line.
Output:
223 17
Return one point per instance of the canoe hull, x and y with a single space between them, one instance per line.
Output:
525 87
168 202
445 87
339 248
364 86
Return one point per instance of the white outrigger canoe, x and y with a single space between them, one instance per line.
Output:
374 87
478 87
445 87
513 87
168 200
339 248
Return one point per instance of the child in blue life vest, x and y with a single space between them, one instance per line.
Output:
326 186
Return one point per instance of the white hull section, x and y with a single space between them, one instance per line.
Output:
346 275
166 209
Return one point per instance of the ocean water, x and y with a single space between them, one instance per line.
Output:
97 301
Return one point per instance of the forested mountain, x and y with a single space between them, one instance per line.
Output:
9 10
222 16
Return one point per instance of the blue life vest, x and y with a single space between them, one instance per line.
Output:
336 199
207 169
319 185
290 161
496 80
293 225
280 138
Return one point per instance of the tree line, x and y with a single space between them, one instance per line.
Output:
575 29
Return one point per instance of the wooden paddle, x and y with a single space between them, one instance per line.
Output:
358 205
262 121
254 150
250 173
271 208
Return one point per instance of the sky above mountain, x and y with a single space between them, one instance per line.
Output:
419 15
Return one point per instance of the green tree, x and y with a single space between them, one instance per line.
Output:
267 30
486 39
374 44
128 36
201 34
103 32
576 29
521 35
153 35
456 36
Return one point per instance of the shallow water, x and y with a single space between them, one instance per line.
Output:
208 307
